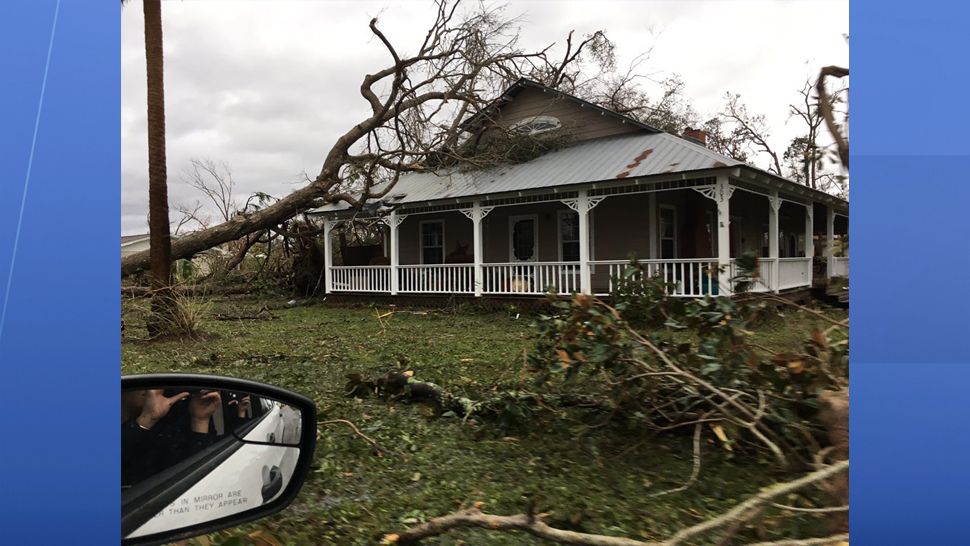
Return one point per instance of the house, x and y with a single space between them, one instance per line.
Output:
570 218
133 243
200 264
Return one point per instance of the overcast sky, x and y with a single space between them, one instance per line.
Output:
266 86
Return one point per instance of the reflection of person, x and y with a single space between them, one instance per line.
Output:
189 428
141 411
158 432
237 410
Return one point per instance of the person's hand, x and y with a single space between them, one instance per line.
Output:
201 408
157 406
242 406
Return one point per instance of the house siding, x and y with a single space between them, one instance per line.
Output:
620 226
458 233
580 123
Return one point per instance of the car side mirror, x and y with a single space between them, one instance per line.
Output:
201 453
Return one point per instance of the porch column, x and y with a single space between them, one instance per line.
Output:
809 239
774 203
722 196
652 223
327 255
830 242
395 254
477 244
582 207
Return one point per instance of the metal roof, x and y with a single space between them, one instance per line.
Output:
131 239
610 158
627 156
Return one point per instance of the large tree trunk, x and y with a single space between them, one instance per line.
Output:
240 226
158 229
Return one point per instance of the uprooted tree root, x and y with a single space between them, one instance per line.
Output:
729 523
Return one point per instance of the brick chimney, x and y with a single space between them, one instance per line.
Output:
697 135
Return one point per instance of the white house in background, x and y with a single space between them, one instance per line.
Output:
133 243
570 218
200 263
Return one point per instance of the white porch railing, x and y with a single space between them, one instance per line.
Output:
840 267
691 278
438 278
765 280
794 272
530 277
361 278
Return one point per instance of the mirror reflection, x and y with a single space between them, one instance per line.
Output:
193 455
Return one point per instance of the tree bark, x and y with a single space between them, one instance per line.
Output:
841 141
160 251
240 226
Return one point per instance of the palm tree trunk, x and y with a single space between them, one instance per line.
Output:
158 226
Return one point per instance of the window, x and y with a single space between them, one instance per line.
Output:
737 241
711 227
536 125
765 241
523 234
568 236
668 232
787 244
433 242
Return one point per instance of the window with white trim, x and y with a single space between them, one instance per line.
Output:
523 238
737 240
433 242
568 236
668 232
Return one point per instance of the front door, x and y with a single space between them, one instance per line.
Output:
523 238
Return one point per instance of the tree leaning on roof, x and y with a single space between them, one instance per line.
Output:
417 104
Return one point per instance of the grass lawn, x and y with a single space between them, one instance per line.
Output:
600 477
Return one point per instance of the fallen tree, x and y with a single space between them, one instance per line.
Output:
417 106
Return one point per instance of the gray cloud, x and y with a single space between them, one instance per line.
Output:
268 86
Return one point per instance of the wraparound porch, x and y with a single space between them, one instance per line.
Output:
690 278
691 233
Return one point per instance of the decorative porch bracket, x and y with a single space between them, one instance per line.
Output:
720 192
582 205
481 213
476 214
574 203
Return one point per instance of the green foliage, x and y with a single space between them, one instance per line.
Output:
641 298
184 271
662 384
173 314
353 497
748 273
499 147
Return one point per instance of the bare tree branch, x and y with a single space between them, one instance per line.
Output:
841 140
417 104
533 523
752 128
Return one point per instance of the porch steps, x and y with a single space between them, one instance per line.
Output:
836 295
